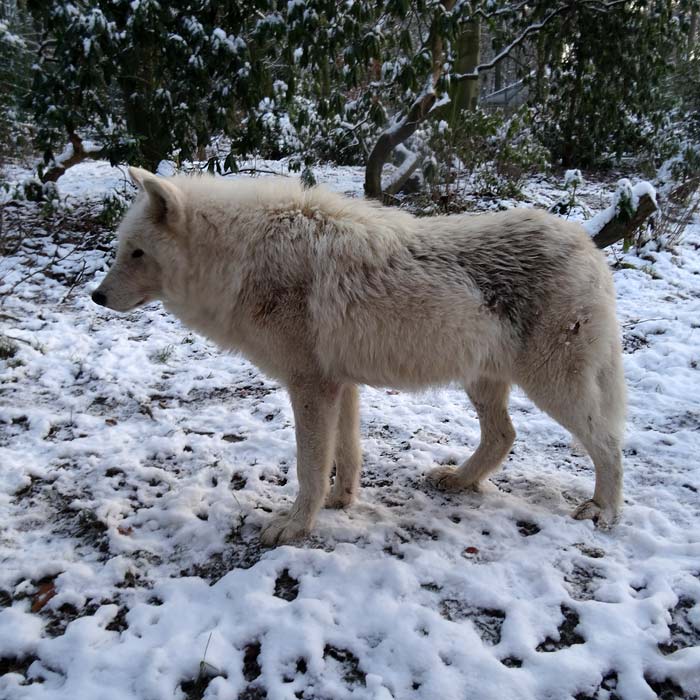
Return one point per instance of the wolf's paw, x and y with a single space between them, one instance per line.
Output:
283 529
604 518
339 499
449 479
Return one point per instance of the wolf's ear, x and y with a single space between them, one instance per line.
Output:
138 175
165 199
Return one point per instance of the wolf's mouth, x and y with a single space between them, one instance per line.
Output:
139 303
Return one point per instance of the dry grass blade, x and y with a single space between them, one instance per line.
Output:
681 206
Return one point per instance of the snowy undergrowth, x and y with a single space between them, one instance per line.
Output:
138 464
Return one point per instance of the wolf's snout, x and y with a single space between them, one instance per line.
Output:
99 298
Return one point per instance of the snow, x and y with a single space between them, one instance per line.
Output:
624 192
9 38
91 146
643 187
67 153
396 174
221 39
573 178
139 463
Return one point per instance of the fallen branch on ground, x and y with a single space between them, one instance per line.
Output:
621 228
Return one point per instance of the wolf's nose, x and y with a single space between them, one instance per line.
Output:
99 298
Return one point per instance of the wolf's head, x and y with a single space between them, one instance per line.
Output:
146 247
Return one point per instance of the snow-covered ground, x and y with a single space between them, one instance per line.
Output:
138 463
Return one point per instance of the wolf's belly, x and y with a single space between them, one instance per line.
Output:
413 353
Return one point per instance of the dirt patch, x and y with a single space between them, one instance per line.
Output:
567 633
487 621
683 634
583 582
251 665
196 688
244 551
667 689
350 665
592 552
222 394
286 586
8 348
633 341
18 664
512 662
119 623
67 613
238 481
604 691
219 564
527 529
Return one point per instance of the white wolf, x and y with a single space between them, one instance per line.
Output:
325 292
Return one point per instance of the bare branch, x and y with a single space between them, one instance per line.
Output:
531 29
512 9
603 5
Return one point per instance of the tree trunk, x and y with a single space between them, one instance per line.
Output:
324 80
137 87
465 94
568 139
498 75
391 138
540 67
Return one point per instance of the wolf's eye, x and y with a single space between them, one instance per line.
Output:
137 253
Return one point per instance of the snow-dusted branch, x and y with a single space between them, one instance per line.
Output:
75 152
532 29
501 12
397 133
406 169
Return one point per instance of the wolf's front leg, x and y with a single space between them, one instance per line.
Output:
316 405
348 453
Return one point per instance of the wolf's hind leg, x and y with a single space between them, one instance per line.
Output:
348 453
604 507
490 399
601 432
590 402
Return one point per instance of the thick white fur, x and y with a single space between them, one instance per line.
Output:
326 292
